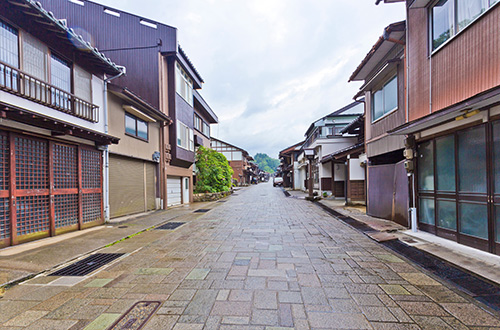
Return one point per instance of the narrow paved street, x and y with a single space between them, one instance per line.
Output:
257 261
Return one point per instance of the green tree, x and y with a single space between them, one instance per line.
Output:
266 163
213 173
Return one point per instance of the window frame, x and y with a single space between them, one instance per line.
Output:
183 84
188 133
382 86
455 31
136 135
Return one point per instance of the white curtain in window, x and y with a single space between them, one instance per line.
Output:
468 10
34 57
82 84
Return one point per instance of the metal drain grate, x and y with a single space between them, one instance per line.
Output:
201 211
170 225
221 201
87 265
137 316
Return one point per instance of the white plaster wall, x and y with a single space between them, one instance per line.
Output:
356 172
339 172
296 175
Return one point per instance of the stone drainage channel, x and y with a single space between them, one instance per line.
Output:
473 285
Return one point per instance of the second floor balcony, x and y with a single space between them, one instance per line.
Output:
19 83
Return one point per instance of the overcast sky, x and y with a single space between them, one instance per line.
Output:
272 67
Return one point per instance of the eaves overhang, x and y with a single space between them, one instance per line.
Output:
181 57
33 12
351 150
204 107
141 104
393 32
482 102
56 126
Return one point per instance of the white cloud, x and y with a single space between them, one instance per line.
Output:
272 67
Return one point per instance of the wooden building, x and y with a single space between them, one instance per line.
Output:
158 70
289 166
137 156
324 137
453 87
52 127
353 158
382 72
239 160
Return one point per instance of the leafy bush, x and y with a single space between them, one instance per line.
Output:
213 173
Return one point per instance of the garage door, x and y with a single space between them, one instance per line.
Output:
126 186
47 188
173 190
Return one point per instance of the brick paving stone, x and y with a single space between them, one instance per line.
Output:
472 315
252 263
232 308
264 317
241 295
334 321
265 299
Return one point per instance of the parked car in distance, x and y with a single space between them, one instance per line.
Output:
277 181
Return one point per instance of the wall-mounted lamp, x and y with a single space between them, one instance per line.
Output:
468 114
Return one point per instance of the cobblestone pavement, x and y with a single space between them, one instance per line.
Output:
258 261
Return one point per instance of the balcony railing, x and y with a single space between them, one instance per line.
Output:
15 81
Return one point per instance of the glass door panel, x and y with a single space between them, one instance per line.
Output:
426 211
445 163
474 219
426 166
472 160
447 214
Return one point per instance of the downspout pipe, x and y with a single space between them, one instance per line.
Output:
106 150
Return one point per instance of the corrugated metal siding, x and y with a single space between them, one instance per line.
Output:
469 64
126 186
150 186
388 192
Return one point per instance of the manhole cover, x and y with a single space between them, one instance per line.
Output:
170 225
137 316
87 265
201 211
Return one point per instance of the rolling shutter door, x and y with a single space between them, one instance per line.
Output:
126 186
150 186
173 190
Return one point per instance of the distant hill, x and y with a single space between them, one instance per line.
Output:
266 163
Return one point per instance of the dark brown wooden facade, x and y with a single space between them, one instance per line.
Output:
453 95
150 52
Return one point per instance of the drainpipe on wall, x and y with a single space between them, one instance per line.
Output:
106 151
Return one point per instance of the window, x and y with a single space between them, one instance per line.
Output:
9 50
185 136
385 100
183 84
448 17
34 57
82 83
9 54
136 127
206 129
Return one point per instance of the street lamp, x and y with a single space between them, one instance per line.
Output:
310 153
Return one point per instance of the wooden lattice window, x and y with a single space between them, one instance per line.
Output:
31 164
66 210
65 166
